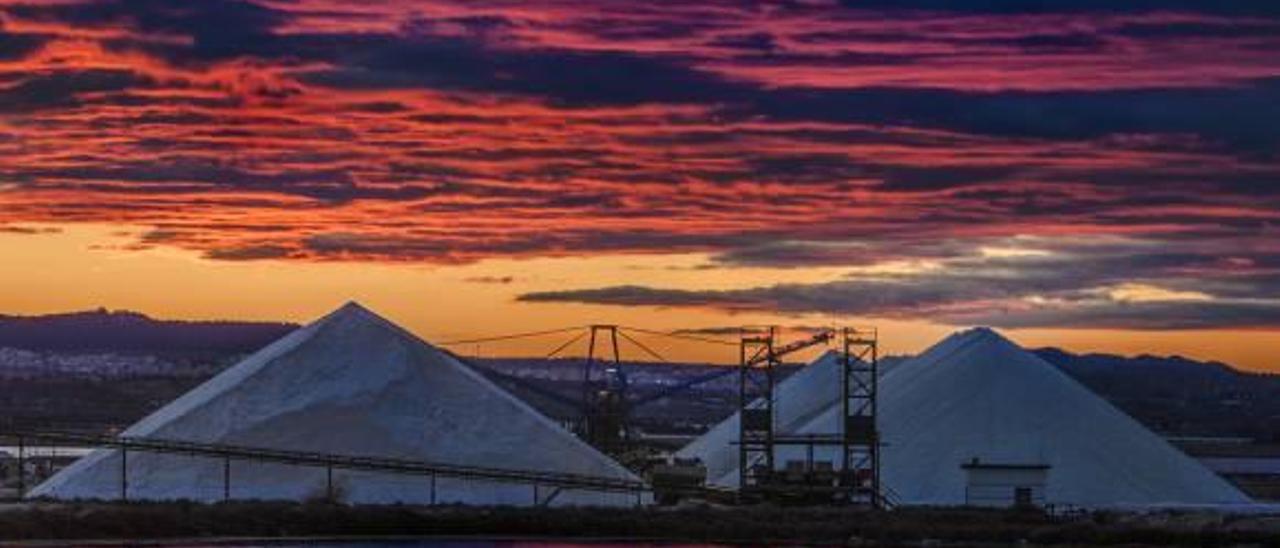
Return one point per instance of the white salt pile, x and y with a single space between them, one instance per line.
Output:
976 395
353 384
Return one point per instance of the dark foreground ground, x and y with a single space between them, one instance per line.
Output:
756 525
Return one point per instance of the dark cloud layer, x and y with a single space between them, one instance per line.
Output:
862 135
1130 286
62 89
1225 7
1242 118
17 46
903 300
566 78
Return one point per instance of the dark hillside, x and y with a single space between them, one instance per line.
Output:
1178 396
130 332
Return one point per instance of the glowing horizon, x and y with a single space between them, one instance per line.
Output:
442 304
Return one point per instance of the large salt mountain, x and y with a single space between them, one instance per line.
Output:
354 384
978 398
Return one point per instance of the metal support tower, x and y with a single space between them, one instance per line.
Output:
589 366
226 478
124 473
756 379
22 467
604 398
860 438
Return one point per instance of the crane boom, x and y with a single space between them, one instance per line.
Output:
818 338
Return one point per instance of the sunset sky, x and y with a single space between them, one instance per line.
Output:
1096 175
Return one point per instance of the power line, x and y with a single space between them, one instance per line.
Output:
681 336
566 345
642 346
510 337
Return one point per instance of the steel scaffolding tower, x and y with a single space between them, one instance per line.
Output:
756 378
809 481
860 437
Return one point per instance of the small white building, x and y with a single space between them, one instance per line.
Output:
1005 485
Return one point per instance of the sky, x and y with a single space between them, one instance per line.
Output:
1101 176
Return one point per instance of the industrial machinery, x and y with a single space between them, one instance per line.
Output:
675 478
760 358
809 481
604 407
604 399
606 403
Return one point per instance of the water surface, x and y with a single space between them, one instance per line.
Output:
427 543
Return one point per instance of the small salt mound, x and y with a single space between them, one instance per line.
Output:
355 384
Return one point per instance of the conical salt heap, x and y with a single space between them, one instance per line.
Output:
350 384
977 398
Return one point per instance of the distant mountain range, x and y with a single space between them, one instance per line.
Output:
1174 395
1180 396
1171 377
117 331
133 333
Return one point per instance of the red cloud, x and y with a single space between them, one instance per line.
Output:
454 131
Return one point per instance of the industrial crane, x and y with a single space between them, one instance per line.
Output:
822 337
608 409
604 415
606 405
